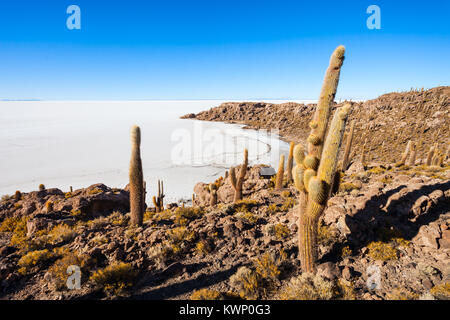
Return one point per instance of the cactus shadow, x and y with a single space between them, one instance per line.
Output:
179 288
382 220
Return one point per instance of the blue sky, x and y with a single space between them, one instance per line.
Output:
241 50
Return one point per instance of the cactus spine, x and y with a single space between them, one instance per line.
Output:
290 163
314 173
348 147
238 182
136 176
280 174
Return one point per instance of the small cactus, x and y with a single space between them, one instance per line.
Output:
136 177
18 195
280 174
213 195
348 147
155 203
158 201
238 182
48 207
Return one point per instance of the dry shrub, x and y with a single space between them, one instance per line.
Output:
115 279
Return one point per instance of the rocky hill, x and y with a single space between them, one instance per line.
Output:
385 233
395 220
387 122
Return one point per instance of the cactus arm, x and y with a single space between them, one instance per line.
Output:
328 162
233 177
290 162
327 94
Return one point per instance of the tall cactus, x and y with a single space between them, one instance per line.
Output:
280 174
363 154
430 156
290 163
238 182
405 153
137 201
412 157
348 147
314 172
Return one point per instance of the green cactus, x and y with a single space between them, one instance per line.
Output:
136 179
327 94
290 163
314 174
280 174
238 182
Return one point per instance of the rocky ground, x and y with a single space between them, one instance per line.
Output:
384 235
387 122
395 220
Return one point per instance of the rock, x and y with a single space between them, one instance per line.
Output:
355 167
444 242
229 230
427 284
328 270
347 272
39 223
427 236
240 225
98 200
